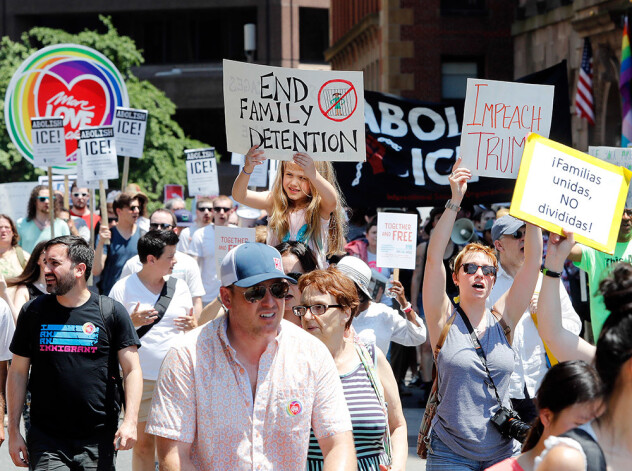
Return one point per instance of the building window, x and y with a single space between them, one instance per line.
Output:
313 34
454 77
462 7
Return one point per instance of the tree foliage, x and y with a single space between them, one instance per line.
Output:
165 141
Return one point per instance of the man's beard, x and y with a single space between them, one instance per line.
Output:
62 286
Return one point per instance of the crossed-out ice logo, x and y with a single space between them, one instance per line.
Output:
65 80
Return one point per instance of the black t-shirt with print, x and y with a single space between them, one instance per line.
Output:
73 364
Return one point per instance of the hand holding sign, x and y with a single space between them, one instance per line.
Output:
458 181
254 157
307 164
558 249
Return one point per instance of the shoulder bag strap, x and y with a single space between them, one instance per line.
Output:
443 335
20 254
166 295
479 351
503 324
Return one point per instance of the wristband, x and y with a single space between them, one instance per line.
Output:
551 273
408 308
243 169
450 205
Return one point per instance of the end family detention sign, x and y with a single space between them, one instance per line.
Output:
285 111
561 188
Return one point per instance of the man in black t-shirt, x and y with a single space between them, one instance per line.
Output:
73 345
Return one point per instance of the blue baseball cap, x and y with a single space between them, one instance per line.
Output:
251 263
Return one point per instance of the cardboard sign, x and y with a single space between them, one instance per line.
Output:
396 240
227 238
274 167
130 126
285 111
14 197
84 180
98 154
173 191
68 81
621 156
202 172
560 187
58 181
49 143
496 120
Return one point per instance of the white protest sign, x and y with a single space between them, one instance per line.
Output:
98 153
82 181
285 111
274 167
237 159
202 172
259 176
14 197
621 156
396 240
561 188
58 181
496 120
49 142
227 238
130 126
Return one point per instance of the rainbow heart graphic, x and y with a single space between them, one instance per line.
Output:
65 80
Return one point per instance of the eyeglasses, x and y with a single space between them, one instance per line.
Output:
294 275
628 212
219 209
78 195
257 292
472 268
518 234
315 309
134 208
158 225
43 198
204 209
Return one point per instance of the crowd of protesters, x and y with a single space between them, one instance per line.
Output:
294 354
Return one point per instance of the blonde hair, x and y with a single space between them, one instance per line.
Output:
473 248
278 221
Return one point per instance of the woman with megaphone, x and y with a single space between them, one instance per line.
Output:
474 425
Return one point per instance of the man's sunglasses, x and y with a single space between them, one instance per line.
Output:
43 198
158 225
219 209
315 309
256 293
78 195
518 234
294 275
204 209
471 268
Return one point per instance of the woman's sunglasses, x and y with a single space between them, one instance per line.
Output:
256 293
471 268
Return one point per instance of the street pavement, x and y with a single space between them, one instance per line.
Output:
412 412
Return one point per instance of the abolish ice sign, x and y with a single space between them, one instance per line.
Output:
285 111
202 171
49 142
98 153
129 129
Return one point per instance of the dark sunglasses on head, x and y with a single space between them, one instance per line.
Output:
158 225
218 209
315 309
471 268
77 195
256 293
43 198
294 275
204 209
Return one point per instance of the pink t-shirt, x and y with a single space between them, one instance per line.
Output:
203 396
510 464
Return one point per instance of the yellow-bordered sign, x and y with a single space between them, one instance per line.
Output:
555 189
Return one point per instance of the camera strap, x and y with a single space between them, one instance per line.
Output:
479 351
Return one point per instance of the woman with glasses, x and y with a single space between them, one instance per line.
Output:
475 361
297 259
329 301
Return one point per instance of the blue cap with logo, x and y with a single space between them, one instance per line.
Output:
252 263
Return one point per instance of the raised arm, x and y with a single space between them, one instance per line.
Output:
99 256
415 282
241 193
521 291
328 194
563 344
435 299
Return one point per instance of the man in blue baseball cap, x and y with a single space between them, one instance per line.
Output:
243 391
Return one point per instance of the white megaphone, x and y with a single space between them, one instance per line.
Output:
463 232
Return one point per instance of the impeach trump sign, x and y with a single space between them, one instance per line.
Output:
285 111
561 188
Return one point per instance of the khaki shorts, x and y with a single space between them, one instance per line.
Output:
145 402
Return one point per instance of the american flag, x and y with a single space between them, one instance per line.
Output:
584 97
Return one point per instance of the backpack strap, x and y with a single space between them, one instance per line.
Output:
503 324
595 459
20 254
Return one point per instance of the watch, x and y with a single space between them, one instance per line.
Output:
450 205
551 273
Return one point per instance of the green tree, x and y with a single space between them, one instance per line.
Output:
163 160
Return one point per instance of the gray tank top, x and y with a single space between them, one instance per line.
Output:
467 402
